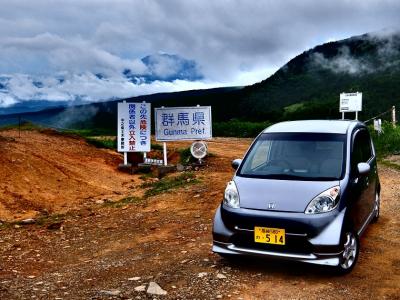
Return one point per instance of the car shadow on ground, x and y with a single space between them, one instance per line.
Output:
277 267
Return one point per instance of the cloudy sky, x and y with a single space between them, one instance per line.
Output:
61 50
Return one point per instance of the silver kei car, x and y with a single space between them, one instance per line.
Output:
305 191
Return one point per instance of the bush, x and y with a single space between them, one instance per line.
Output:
236 128
388 142
186 157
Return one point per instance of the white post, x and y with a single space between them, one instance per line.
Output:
125 158
164 150
342 115
165 153
356 115
394 116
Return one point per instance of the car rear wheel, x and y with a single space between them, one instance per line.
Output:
349 256
377 207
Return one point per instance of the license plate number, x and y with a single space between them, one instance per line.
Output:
268 235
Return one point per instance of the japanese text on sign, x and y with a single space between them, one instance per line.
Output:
183 123
350 102
134 127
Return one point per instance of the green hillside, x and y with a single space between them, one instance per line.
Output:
307 87
314 79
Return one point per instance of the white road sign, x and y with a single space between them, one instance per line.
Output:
134 125
378 125
183 123
350 102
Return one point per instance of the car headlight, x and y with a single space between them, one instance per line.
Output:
324 202
231 197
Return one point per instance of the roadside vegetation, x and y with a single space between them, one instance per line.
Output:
237 128
24 126
167 183
123 202
155 187
388 142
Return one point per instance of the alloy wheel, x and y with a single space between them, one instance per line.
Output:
377 207
350 250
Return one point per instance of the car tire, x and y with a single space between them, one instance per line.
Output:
351 250
377 207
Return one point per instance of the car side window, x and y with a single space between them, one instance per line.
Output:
362 151
261 153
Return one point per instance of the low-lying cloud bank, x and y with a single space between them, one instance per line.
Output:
85 87
382 51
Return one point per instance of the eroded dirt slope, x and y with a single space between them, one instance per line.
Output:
50 172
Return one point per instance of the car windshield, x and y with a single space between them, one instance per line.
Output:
296 156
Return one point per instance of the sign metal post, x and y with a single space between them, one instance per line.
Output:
165 153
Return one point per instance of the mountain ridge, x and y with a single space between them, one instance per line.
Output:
308 86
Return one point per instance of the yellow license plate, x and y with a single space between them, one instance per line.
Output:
269 235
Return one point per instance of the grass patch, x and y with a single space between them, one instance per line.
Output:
236 128
185 157
388 142
157 147
146 176
389 164
91 132
25 126
50 219
123 202
168 183
107 143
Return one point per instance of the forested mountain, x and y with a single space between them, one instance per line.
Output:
308 86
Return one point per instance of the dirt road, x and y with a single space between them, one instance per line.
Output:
97 251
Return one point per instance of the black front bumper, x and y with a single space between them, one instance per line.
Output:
309 238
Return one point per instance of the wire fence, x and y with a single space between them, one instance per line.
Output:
385 113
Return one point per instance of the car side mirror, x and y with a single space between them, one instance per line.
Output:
236 163
363 169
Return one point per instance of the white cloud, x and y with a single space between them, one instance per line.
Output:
86 87
388 52
73 54
233 42
6 100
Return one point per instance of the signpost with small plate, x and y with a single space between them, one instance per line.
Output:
182 123
350 102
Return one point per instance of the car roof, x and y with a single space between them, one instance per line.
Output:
314 126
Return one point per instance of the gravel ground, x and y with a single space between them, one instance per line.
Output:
162 245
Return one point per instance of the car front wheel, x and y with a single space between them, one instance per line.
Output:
351 249
377 207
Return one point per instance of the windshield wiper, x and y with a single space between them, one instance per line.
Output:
284 176
289 176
